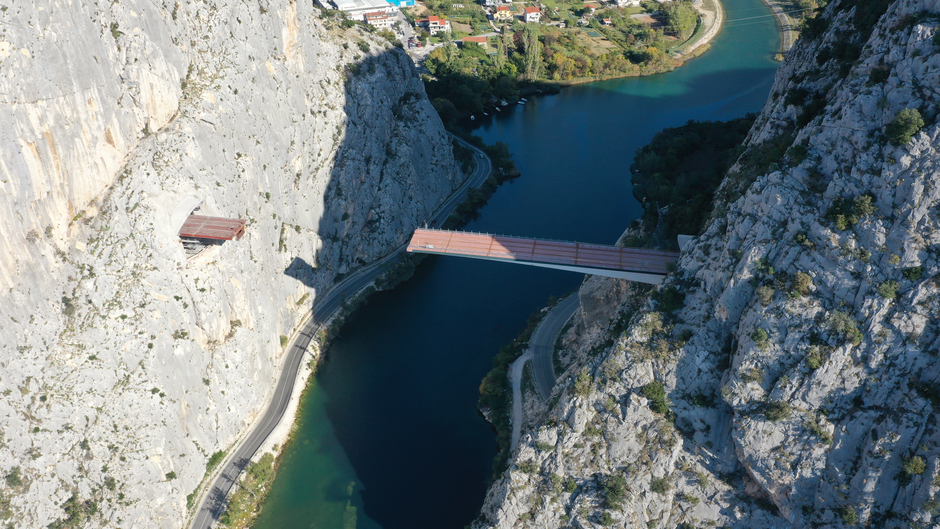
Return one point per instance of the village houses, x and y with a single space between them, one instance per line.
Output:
532 14
435 24
502 14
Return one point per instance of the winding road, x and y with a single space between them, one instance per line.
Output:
212 504
541 347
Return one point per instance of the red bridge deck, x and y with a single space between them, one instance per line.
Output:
542 251
218 228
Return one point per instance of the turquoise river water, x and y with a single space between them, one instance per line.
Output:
389 434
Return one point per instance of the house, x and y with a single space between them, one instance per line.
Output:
379 19
435 24
502 14
476 40
357 8
626 3
589 9
606 22
532 14
403 3
489 3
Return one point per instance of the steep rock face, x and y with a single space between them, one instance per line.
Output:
124 363
800 375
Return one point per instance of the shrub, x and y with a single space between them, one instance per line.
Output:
914 466
843 324
606 519
913 273
905 124
816 357
615 491
659 485
171 475
14 479
284 340
670 299
570 485
760 336
801 284
363 46
655 392
777 411
849 516
888 289
817 428
752 374
582 384
529 467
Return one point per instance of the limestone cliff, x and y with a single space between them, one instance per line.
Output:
124 364
797 382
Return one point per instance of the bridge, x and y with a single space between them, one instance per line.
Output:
635 264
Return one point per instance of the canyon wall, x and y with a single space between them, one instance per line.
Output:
124 363
786 374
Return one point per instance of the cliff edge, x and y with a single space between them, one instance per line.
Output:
786 374
125 363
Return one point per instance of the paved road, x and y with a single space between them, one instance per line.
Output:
212 503
541 347
542 343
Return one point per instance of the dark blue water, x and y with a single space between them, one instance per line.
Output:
392 412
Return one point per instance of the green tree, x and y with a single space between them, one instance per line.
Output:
905 124
533 52
681 18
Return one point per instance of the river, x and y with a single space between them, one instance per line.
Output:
389 433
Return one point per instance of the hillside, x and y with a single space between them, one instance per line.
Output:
124 364
786 373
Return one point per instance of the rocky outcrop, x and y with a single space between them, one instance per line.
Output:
797 383
125 364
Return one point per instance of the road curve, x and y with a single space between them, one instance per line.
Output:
542 343
212 503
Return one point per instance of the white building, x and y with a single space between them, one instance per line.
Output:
532 14
358 8
435 24
626 3
379 19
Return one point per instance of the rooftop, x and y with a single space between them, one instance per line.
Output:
218 228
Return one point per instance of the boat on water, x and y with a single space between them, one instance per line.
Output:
485 114
503 102
498 109
523 99
521 102
472 117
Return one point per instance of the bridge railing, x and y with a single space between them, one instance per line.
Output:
537 239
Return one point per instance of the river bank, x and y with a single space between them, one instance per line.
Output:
397 399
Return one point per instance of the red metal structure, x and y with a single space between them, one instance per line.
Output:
215 228
636 264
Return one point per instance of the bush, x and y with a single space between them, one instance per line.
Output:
606 519
905 124
14 479
816 358
615 491
914 466
849 516
801 284
760 336
570 485
843 325
655 392
777 411
582 384
670 299
888 289
913 273
659 485
171 475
